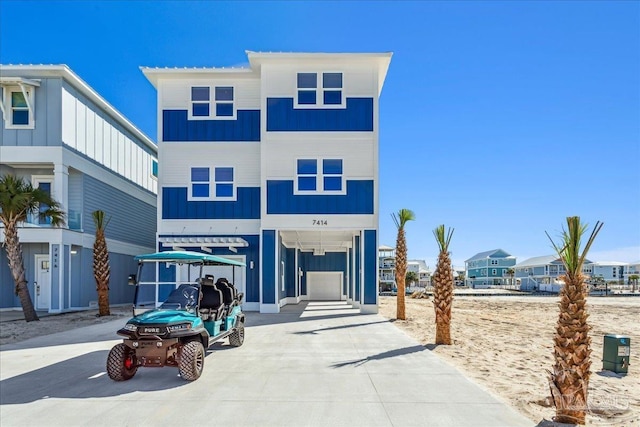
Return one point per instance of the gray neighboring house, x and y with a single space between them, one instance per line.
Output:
490 268
63 137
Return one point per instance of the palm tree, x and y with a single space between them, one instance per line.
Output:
634 280
569 381
443 286
511 272
400 219
18 199
411 277
101 268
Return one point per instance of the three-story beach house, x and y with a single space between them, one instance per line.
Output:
275 165
490 268
61 136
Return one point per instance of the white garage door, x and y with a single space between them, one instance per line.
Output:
324 286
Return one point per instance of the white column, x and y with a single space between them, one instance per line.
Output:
61 185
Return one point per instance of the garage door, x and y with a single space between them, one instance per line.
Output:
324 286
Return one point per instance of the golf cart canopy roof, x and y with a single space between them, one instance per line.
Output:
187 257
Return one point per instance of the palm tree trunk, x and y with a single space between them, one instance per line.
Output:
443 299
16 265
401 271
101 271
569 380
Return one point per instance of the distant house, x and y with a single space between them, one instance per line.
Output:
540 273
489 268
64 138
386 268
419 266
609 271
632 269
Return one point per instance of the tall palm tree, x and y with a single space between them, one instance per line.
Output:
511 272
443 286
101 268
400 219
569 381
18 199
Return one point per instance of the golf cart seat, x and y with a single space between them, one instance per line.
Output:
237 296
212 303
228 291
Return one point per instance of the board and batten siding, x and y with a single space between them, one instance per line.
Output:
48 119
132 220
99 138
7 295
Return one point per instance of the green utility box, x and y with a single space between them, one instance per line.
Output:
615 353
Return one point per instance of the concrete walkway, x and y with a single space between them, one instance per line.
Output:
316 364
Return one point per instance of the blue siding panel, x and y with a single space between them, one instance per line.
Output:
176 206
358 200
268 266
370 272
330 261
177 127
356 117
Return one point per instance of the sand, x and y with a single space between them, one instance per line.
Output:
504 344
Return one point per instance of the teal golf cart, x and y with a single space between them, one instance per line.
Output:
176 332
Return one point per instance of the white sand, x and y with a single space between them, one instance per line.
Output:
505 345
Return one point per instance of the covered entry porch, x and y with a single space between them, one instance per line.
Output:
319 265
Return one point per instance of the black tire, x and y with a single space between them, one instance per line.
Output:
237 337
191 362
121 363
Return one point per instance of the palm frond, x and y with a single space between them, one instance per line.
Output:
402 217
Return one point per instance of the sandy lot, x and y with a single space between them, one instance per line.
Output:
505 345
19 330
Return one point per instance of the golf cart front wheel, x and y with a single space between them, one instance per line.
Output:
121 363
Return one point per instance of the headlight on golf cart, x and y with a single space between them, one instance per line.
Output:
130 327
179 327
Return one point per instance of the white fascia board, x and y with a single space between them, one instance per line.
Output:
154 74
65 72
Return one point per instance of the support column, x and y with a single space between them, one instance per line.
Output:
269 270
61 185
370 272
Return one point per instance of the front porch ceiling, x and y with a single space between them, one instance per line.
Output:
318 242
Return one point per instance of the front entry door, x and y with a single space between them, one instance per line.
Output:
43 282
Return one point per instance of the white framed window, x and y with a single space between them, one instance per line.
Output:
319 90
494 262
212 102
44 183
494 271
215 183
18 106
319 176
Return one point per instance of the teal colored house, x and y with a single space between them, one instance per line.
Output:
490 268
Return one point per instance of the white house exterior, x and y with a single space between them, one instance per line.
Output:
275 165
609 271
63 137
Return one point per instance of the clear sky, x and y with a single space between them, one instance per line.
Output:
499 119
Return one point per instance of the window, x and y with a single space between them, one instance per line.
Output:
310 93
494 271
310 178
332 88
19 109
17 106
494 262
307 86
224 101
200 182
224 182
200 101
332 174
307 174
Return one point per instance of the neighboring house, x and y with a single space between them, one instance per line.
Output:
489 268
386 268
632 269
420 267
540 273
63 137
608 271
275 165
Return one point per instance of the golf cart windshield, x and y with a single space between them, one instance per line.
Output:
185 297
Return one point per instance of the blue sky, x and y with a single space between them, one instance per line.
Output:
499 119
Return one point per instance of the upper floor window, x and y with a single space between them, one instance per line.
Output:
328 92
201 184
326 178
17 107
200 98
222 99
494 262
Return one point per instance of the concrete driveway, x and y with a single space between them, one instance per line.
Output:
315 364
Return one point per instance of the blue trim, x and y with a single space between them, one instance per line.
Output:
176 206
370 272
357 268
356 117
177 127
358 200
268 266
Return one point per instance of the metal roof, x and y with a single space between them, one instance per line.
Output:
490 254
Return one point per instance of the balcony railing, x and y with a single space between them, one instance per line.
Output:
74 220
